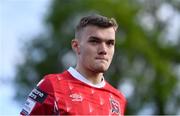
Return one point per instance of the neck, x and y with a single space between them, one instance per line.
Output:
93 77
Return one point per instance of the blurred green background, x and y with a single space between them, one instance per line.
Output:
147 58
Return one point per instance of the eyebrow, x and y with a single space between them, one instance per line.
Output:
99 39
94 38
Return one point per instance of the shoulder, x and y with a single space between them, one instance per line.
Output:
51 81
55 77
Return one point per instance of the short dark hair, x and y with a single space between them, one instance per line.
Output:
96 20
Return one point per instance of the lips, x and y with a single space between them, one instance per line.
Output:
101 58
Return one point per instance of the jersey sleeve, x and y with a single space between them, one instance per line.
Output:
41 100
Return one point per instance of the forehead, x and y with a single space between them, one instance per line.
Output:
103 33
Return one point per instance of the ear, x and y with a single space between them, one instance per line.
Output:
75 45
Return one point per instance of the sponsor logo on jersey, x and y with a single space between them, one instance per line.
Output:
28 106
38 95
115 109
76 97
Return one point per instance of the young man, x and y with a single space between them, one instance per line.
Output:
82 90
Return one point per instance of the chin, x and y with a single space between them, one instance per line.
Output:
101 69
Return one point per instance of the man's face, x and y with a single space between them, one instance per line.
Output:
96 48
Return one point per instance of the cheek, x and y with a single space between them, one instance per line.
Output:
88 55
111 53
87 50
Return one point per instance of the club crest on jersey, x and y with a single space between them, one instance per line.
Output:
115 109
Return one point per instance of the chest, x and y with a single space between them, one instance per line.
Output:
81 100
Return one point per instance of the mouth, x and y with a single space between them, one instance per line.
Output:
103 59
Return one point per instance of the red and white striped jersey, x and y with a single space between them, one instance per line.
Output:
69 93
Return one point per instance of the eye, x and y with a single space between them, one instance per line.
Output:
110 43
93 41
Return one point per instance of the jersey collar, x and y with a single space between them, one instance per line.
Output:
81 78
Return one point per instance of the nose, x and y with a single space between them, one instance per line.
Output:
102 49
